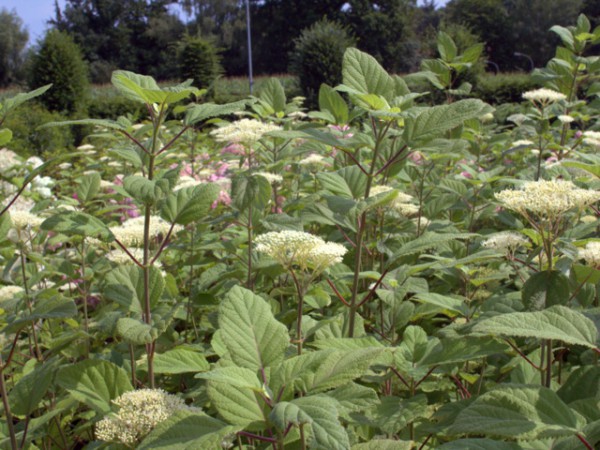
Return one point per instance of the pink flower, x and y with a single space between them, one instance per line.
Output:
417 157
223 198
234 149
466 174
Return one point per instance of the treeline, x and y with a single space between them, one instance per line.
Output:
150 36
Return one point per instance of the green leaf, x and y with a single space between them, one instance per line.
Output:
73 223
427 241
517 412
451 351
180 360
200 113
330 100
189 205
89 186
125 285
251 334
237 405
5 136
338 368
13 102
557 322
234 376
187 430
565 36
544 289
394 414
102 123
434 121
52 308
31 389
384 444
250 190
320 414
95 383
479 444
144 190
594 169
335 184
144 89
135 332
453 304
363 74
581 384
271 93
446 47
354 397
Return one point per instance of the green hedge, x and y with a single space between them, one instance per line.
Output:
503 88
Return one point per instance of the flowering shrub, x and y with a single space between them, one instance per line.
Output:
373 274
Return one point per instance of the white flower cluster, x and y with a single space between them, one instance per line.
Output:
245 131
139 412
272 178
565 118
522 142
9 292
297 248
547 198
313 162
506 241
131 232
544 96
186 181
591 253
24 220
591 138
8 160
119 256
401 202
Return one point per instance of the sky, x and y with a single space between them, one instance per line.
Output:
35 14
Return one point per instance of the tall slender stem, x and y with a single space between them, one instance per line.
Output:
7 410
38 353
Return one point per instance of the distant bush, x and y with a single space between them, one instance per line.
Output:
103 104
29 140
237 88
317 57
199 60
59 61
503 88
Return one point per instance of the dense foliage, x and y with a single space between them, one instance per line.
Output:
59 62
375 273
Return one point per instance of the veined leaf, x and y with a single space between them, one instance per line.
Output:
31 389
546 288
180 360
250 190
125 285
74 223
95 383
189 205
144 190
446 47
517 412
434 121
200 113
237 405
427 241
187 430
53 308
145 89
557 322
395 414
339 368
89 186
326 431
102 123
5 136
251 334
384 444
13 102
331 101
135 332
443 301
363 74
272 93
479 444
234 376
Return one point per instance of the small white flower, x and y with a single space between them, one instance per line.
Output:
272 178
245 131
564 118
10 292
544 96
522 142
24 220
506 241
591 253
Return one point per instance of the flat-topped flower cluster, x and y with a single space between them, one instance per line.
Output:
139 412
245 131
547 198
297 248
